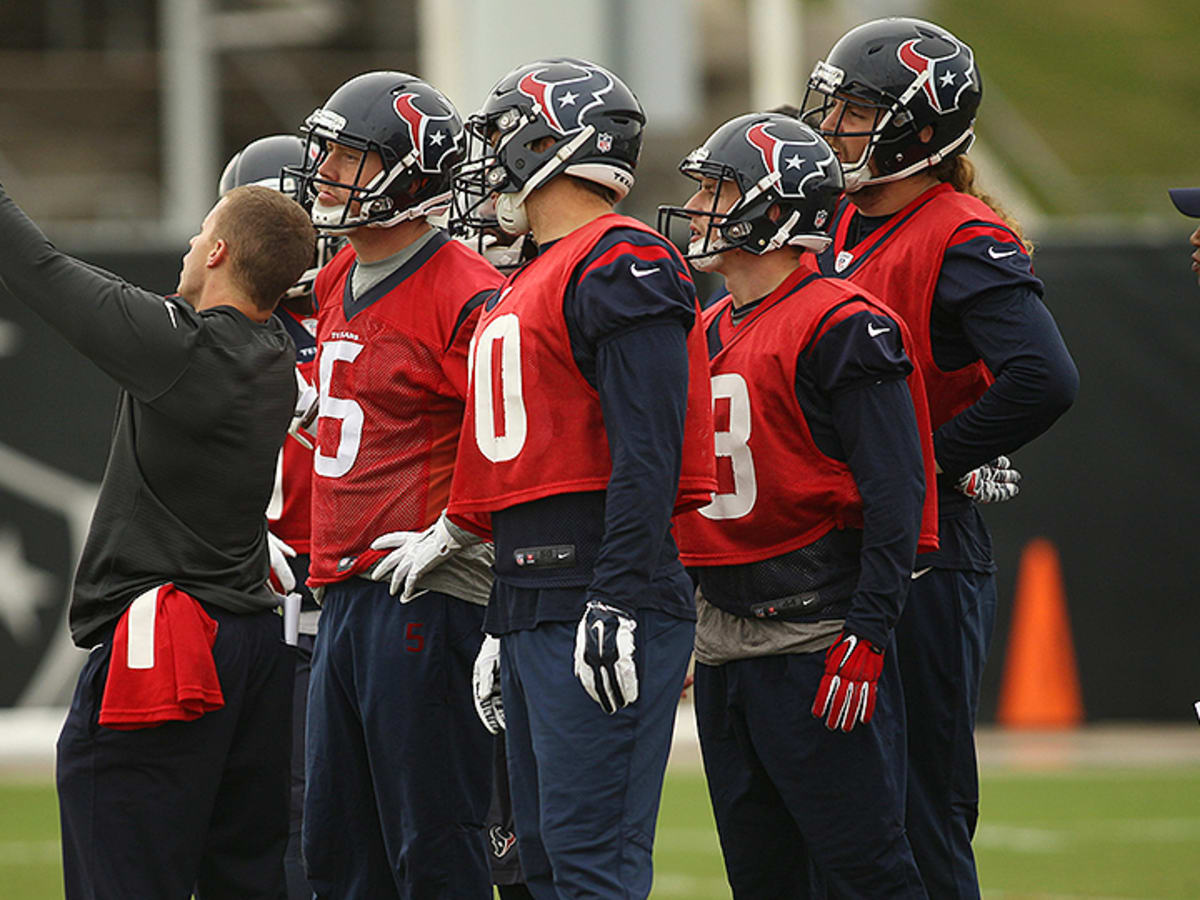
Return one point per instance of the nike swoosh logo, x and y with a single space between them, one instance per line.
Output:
641 273
876 332
917 574
171 313
994 255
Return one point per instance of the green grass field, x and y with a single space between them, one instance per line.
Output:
1104 833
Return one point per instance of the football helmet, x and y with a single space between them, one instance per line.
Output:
264 162
414 129
913 74
787 183
594 123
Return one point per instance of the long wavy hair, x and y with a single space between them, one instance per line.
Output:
959 173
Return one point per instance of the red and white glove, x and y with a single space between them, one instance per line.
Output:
846 694
992 482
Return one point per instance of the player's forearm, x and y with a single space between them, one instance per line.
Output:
38 274
878 428
129 333
1036 382
642 377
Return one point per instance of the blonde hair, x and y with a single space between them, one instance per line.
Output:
959 172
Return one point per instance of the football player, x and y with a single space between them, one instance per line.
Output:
398 766
262 162
803 557
896 98
1187 201
477 227
588 425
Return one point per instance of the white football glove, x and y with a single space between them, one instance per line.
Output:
282 577
993 482
304 417
604 662
417 553
394 567
486 681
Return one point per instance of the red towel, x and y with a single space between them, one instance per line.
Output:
162 667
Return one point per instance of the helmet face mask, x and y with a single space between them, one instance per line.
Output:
922 85
544 119
408 126
785 180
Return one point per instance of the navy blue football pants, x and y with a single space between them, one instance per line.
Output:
942 639
157 812
585 785
398 764
789 795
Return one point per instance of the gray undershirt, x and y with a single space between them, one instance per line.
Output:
366 275
467 574
722 637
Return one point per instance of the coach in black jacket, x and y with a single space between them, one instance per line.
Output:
160 808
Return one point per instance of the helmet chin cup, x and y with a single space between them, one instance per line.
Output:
511 214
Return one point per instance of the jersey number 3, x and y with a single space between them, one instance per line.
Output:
500 422
733 444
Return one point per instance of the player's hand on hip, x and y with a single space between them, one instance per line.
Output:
416 554
846 695
486 683
283 580
604 655
394 567
992 482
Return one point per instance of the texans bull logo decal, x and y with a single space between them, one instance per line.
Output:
434 136
502 839
949 75
791 161
564 93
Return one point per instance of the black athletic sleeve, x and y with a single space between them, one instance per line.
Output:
142 340
861 364
988 305
628 313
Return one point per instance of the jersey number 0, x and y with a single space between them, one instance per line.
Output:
500 427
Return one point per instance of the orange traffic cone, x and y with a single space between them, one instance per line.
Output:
1040 688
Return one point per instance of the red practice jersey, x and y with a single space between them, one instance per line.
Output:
392 369
777 491
534 426
900 262
291 501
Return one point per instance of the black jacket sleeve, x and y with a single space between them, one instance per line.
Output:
142 340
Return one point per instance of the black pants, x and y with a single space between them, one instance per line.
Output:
186 806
